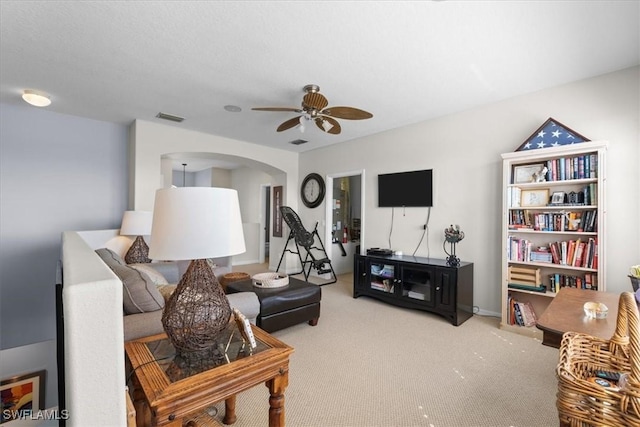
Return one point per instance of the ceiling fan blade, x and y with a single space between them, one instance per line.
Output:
297 110
328 124
315 100
348 113
289 124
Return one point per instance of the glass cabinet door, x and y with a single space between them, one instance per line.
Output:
382 276
418 284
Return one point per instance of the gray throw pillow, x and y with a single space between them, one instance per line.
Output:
110 257
156 277
139 293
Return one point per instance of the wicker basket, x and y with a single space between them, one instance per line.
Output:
232 277
582 402
270 280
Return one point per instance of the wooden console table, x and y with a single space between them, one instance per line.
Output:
167 392
566 313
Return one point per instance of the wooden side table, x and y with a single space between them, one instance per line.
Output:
566 313
166 392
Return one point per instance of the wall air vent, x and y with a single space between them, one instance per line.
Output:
298 142
169 117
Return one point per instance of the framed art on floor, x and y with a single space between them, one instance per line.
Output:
21 395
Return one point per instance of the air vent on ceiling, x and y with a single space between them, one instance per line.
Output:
170 117
298 142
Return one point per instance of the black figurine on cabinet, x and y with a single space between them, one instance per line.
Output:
452 235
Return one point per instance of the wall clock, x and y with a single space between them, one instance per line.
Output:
312 190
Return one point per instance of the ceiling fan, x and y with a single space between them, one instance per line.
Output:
314 107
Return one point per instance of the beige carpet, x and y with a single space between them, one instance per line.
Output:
372 364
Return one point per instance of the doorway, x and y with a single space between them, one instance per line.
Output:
344 218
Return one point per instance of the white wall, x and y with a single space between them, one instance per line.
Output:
464 151
248 181
150 141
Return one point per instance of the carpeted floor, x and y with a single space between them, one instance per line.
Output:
367 363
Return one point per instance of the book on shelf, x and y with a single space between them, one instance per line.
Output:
518 314
541 255
529 317
514 194
524 287
555 252
577 261
563 252
521 313
571 247
512 314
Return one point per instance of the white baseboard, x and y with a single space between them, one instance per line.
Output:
245 262
482 312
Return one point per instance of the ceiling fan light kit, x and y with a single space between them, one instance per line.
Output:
314 107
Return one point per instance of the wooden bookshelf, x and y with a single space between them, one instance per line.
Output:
548 225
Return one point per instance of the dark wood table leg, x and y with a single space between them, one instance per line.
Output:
230 410
276 387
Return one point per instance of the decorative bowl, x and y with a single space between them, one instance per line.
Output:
595 310
270 280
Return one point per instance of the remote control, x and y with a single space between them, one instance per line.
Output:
608 375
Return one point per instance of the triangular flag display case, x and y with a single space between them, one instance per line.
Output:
552 133
553 222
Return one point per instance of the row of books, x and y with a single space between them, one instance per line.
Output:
580 221
587 281
577 167
575 253
521 313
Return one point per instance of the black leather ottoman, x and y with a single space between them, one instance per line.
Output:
280 308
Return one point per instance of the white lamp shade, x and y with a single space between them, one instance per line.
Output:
196 223
136 223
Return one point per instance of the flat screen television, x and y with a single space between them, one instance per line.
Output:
408 189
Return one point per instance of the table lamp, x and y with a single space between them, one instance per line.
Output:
136 223
196 223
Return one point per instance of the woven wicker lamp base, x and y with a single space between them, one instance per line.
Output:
197 311
138 253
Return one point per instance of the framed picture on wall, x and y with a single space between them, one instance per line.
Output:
22 395
277 215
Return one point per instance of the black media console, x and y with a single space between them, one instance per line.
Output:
414 282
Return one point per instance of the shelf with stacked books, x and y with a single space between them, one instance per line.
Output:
553 221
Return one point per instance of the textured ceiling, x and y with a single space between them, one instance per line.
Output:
405 62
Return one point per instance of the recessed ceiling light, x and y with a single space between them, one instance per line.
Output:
232 108
298 141
35 98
